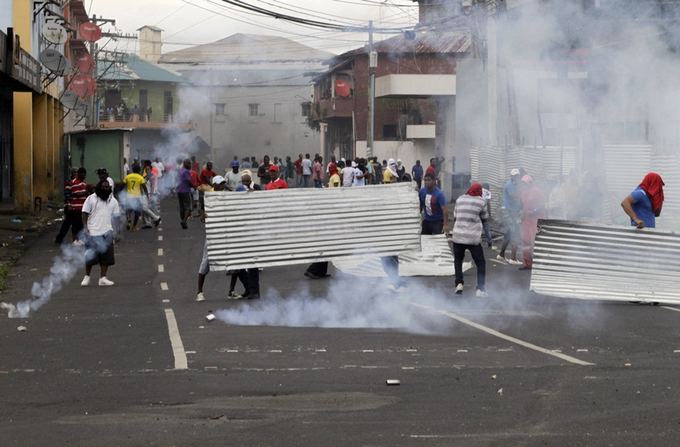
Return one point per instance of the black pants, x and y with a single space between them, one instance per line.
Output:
72 219
391 266
477 256
319 269
432 226
419 182
184 205
251 280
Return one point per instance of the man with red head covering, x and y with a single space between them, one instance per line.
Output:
276 182
470 216
644 204
533 208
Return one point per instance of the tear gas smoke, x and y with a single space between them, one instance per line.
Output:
64 267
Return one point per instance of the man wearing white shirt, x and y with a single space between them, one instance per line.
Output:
99 210
347 174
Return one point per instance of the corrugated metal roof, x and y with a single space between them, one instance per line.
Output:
587 261
310 225
246 49
136 68
425 42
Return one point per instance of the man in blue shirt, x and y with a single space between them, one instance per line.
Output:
417 174
433 208
511 215
644 204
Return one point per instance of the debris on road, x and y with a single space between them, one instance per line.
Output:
392 382
493 377
210 316
22 328
500 391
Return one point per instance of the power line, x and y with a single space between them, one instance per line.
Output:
314 23
169 15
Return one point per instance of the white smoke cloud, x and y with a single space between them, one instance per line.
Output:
64 267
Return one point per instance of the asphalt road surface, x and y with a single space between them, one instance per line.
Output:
138 364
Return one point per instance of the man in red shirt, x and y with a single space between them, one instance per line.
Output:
276 182
74 205
432 169
298 171
207 174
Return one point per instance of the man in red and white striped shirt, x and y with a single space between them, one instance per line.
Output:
74 204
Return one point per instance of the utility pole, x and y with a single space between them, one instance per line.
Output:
93 118
372 64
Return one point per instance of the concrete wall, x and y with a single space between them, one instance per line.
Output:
279 129
407 151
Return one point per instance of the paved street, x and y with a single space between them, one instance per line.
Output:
96 366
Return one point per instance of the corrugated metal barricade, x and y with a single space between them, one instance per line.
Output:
300 226
592 261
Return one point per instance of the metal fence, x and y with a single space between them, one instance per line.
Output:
587 261
299 226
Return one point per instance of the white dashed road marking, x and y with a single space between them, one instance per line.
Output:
161 268
160 252
509 338
671 308
164 286
166 301
160 238
176 341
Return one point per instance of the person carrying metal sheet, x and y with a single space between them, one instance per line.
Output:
644 204
533 208
470 216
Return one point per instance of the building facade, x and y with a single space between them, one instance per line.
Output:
249 95
415 98
31 130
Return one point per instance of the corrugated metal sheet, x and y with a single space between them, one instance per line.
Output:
578 260
300 226
434 259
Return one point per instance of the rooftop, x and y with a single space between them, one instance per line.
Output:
136 68
246 49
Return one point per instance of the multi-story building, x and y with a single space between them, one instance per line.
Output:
30 111
415 97
249 94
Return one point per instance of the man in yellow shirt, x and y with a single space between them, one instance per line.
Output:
390 174
135 186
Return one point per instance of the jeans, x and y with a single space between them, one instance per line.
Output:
305 180
477 256
432 226
317 183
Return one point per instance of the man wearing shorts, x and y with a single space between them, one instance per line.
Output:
99 210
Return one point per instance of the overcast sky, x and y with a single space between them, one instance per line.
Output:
192 22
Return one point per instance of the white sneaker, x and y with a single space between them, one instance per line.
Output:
513 261
501 258
233 295
481 294
200 296
459 289
104 281
85 282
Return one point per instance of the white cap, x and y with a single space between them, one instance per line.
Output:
514 172
218 179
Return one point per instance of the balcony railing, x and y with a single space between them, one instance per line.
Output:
135 120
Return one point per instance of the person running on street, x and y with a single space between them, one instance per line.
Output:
644 204
184 186
469 218
75 193
433 207
99 211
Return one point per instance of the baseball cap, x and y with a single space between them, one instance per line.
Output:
514 172
234 164
218 179
273 168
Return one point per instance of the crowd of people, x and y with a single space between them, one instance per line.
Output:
97 214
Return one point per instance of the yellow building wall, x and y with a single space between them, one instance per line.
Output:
38 131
